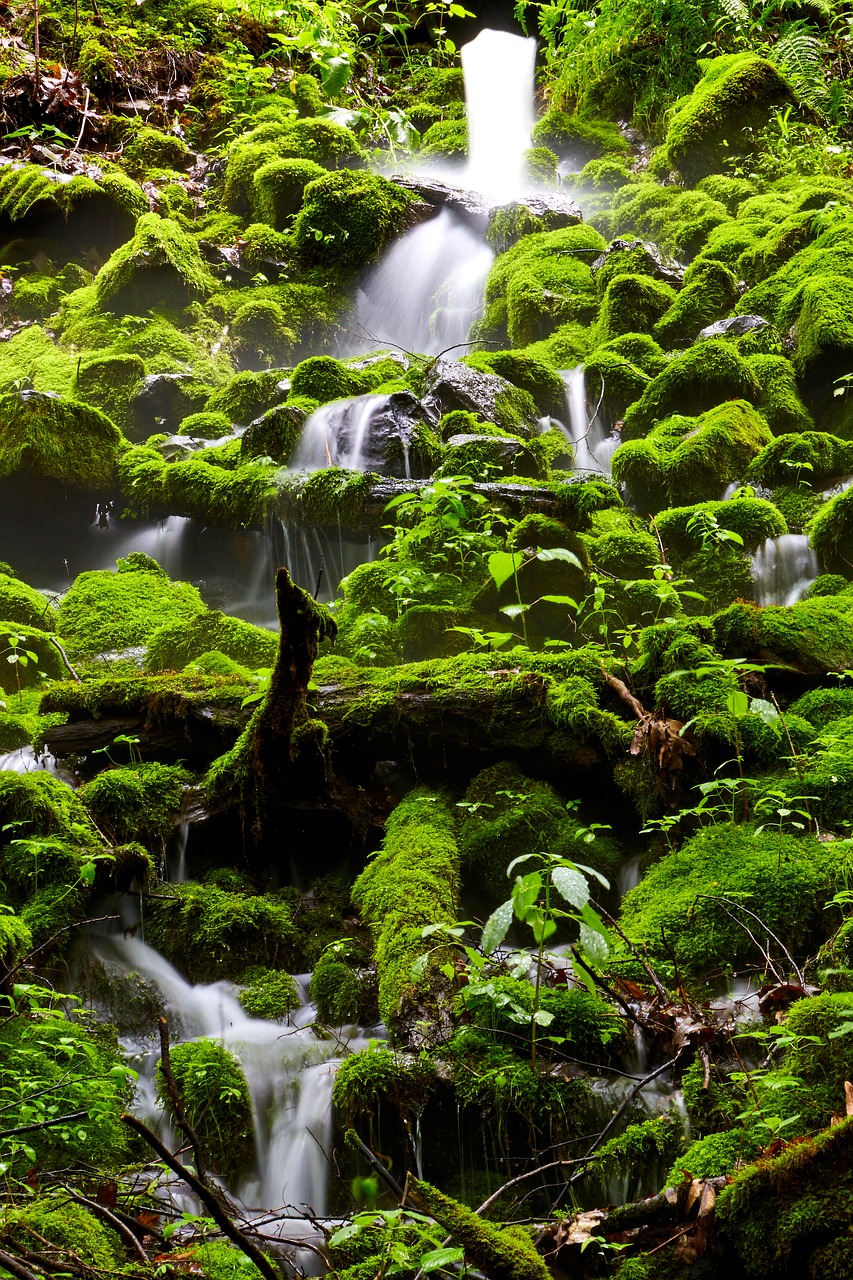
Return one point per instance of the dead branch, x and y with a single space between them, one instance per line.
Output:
177 1104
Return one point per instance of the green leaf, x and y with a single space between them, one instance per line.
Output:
566 600
737 703
437 1259
502 565
559 553
87 872
764 710
593 944
496 927
571 886
515 610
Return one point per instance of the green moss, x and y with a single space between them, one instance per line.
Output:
150 148
831 533
18 670
539 167
366 1078
445 139
60 439
138 802
347 219
76 1236
412 882
709 292
246 395
220 1260
36 297
540 284
822 706
260 329
812 635
738 92
162 264
278 190
693 382
691 458
206 425
505 1254
543 383
689 899
811 456
174 644
215 1097
206 485
753 519
106 611
109 383
730 191
322 378
211 934
605 175
631 302
678 221
28 189
21 603
578 138
779 398
270 994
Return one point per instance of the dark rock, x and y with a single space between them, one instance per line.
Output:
275 433
657 264
162 400
545 212
734 327
451 385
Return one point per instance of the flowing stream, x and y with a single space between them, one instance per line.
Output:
783 569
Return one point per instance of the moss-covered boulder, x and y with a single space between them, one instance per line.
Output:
737 92
204 1070
182 640
691 459
813 635
160 265
58 439
701 378
104 612
347 219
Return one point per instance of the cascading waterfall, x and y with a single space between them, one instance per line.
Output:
339 435
308 549
783 569
288 1069
498 69
593 446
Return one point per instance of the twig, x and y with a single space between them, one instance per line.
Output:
208 1199
378 1167
655 980
320 572
15 1268
791 961
522 1177
78 924
608 990
43 1124
76 146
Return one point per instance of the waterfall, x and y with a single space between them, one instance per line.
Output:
339 435
428 289
307 548
498 69
593 447
289 1072
783 569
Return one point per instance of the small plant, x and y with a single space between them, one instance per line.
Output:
18 657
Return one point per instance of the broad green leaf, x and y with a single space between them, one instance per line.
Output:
496 927
438 1259
566 600
737 703
502 565
571 885
593 944
543 1018
764 710
559 553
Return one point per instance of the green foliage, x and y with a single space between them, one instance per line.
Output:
174 644
377 1073
348 218
215 1097
60 439
161 264
137 802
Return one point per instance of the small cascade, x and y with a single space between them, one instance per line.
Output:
428 289
783 569
163 540
176 858
498 69
288 1069
339 435
25 760
593 446
629 875
308 549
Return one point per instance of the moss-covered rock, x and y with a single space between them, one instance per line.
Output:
161 266
709 292
348 218
632 302
206 1072
174 644
104 612
59 439
691 459
813 635
737 92
701 378
578 138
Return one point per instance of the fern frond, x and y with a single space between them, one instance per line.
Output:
735 10
799 54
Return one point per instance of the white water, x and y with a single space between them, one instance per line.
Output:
25 760
783 569
308 548
593 447
339 435
498 69
289 1072
428 289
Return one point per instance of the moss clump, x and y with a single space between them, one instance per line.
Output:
161 265
322 378
752 519
578 138
831 533
270 994
347 219
813 635
150 148
631 302
539 284
76 1236
247 395
701 378
736 93
812 456
215 1097
138 802
679 222
412 882
206 425
373 1075
278 190
60 439
336 988
104 612
690 898
691 458
210 933
709 292
17 669
21 603
524 371
109 383
174 644
261 334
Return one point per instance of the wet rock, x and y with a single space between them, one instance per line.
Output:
382 434
656 264
162 400
451 385
275 433
734 327
550 211
470 206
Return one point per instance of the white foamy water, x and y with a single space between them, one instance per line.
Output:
498 69
592 445
783 569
